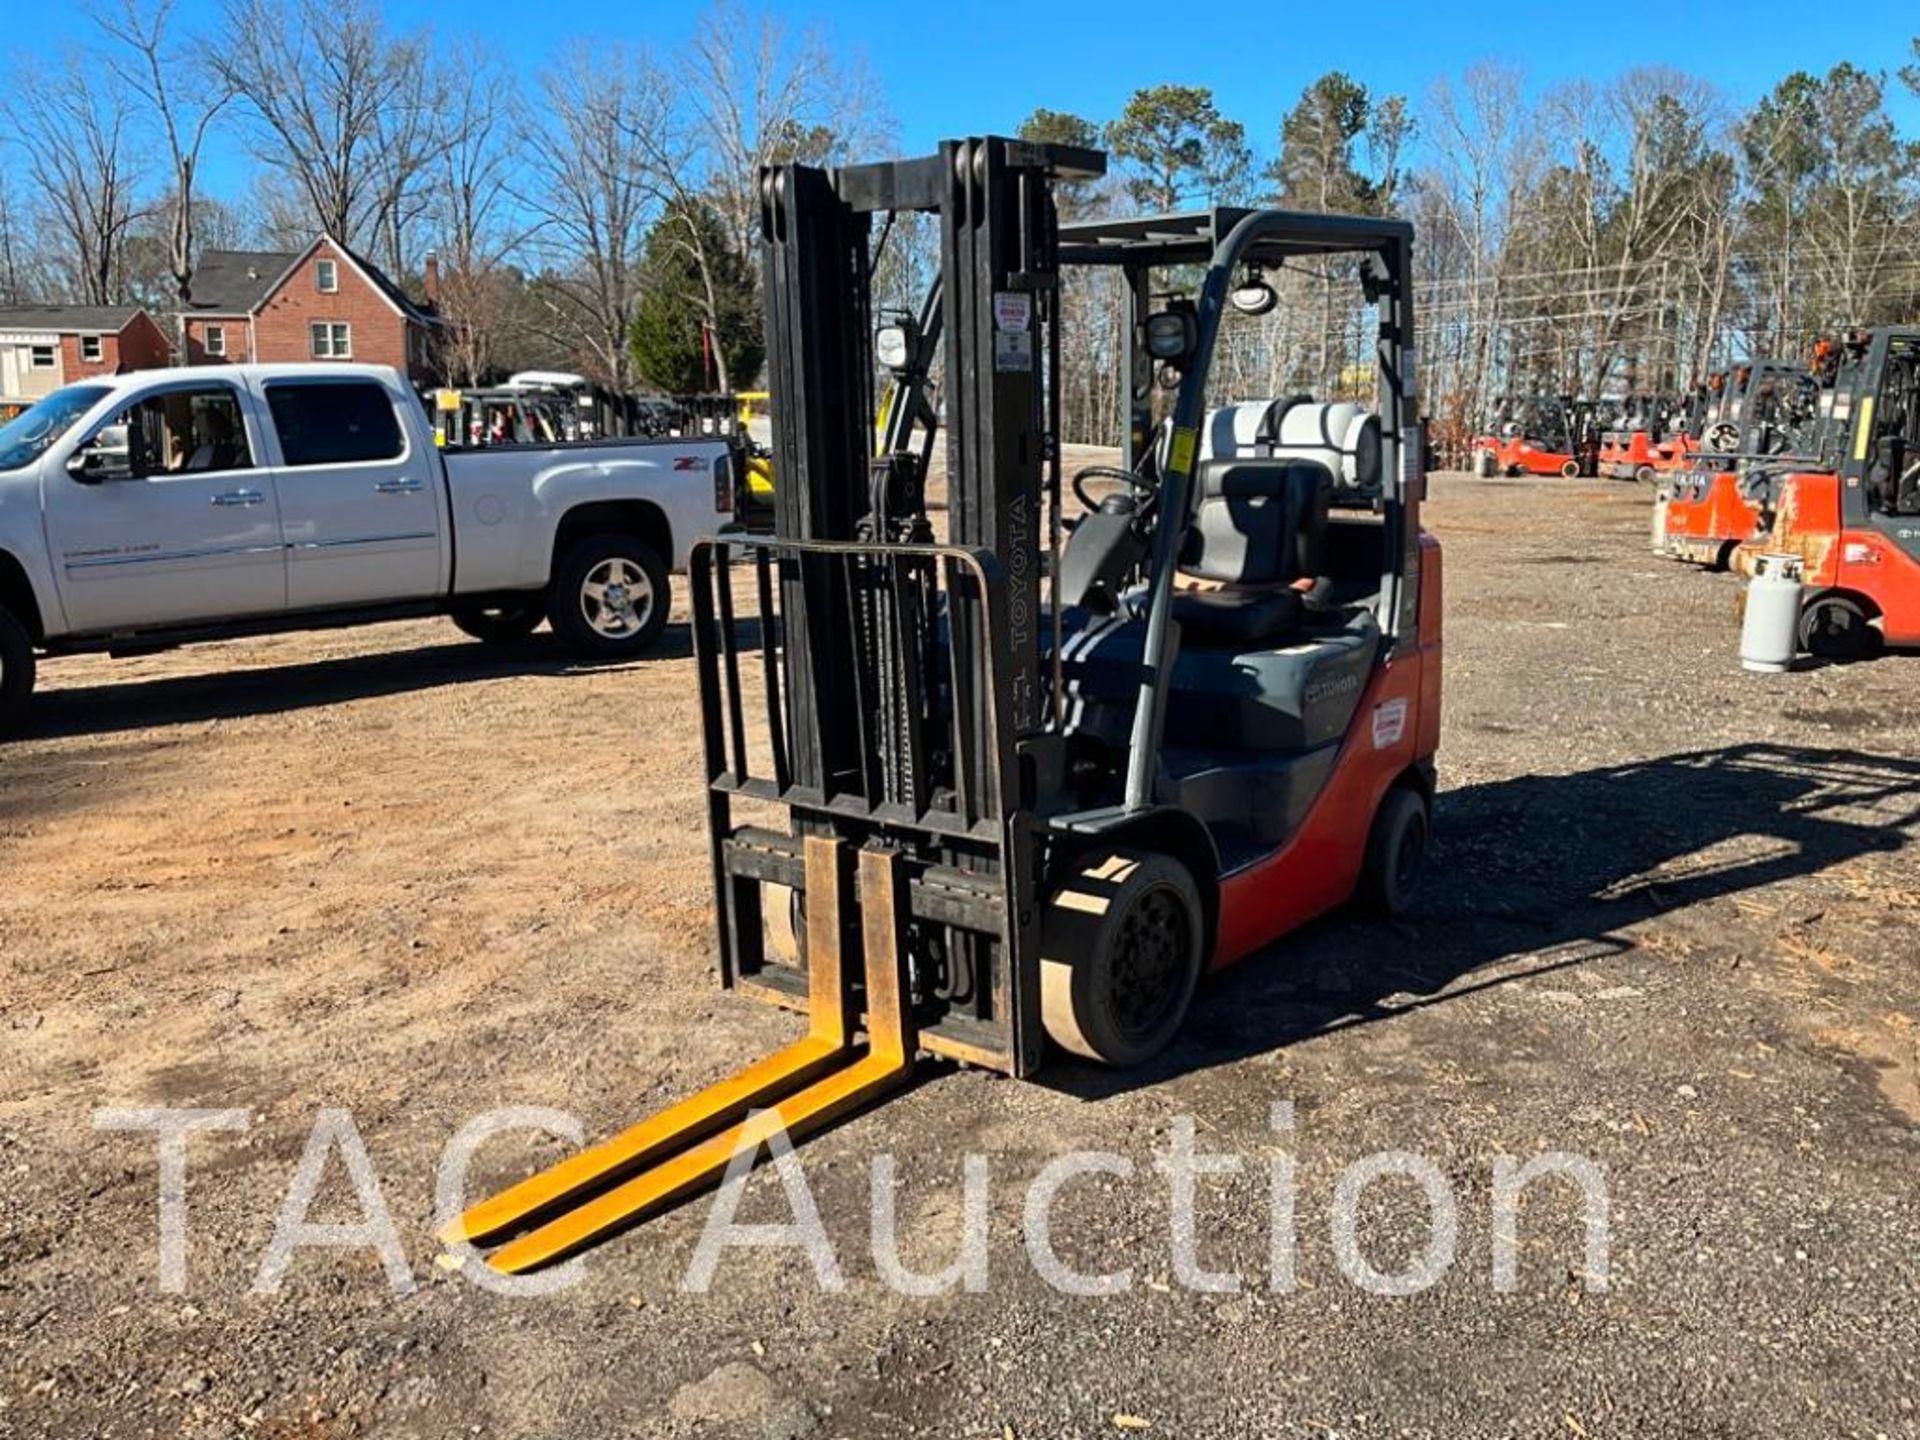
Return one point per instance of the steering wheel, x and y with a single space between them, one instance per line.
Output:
1144 483
1724 438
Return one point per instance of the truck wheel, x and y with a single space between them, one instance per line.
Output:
16 671
501 623
1396 851
609 597
1835 628
1120 956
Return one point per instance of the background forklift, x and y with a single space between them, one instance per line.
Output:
1652 436
1854 522
1705 513
1540 435
1023 787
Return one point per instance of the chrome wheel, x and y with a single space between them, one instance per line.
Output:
616 598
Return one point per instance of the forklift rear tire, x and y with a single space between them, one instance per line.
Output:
1396 851
1835 628
16 671
1647 475
1120 956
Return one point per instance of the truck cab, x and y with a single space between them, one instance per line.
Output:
148 510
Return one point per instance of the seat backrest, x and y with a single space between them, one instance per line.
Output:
1258 522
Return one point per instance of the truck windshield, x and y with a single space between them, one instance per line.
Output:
26 438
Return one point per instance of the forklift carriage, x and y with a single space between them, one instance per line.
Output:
1027 783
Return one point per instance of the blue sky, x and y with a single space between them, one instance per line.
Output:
995 63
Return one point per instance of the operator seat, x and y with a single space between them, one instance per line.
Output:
1270 472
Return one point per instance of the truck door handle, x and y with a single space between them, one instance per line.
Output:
397 487
240 497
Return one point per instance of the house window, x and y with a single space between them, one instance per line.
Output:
214 341
43 357
332 339
326 277
90 349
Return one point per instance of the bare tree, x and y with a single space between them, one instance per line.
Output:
148 64
347 112
474 223
593 198
82 165
760 94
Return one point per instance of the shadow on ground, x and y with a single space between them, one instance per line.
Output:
1543 873
234 694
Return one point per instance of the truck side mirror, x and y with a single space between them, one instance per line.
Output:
107 456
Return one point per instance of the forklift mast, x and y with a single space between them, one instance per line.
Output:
904 696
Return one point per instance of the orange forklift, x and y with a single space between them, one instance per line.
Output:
1018 791
1854 523
1539 435
1703 514
1654 436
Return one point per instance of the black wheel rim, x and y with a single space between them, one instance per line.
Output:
1151 957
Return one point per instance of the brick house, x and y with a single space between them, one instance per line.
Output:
43 347
322 303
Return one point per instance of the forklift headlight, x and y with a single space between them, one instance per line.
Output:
1172 335
892 348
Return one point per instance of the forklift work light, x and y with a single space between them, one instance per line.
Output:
1254 296
1172 335
892 347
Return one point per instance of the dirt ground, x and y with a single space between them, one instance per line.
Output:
1670 927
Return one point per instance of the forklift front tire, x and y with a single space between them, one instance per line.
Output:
1120 956
1396 851
16 671
1570 470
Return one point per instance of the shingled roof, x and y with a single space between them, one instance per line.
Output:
234 282
237 282
68 319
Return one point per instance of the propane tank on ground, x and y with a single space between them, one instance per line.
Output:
1770 628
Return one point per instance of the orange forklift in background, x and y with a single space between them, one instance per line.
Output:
1539 435
1725 498
1855 525
1655 436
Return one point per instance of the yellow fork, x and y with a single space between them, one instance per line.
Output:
662 1160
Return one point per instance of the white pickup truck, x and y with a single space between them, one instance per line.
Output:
148 510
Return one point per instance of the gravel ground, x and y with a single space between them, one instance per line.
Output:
1670 928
